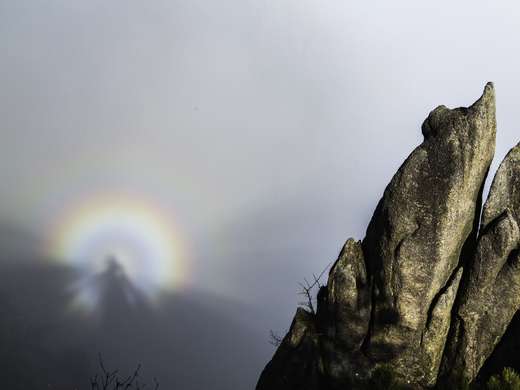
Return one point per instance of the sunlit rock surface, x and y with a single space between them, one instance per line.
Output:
491 295
424 287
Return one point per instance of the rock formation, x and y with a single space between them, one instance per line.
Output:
491 295
431 289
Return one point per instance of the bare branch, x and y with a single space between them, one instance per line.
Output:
307 289
110 380
274 338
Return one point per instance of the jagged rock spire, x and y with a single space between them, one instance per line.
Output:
389 300
491 295
415 238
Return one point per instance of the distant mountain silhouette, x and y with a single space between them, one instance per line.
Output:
16 243
188 340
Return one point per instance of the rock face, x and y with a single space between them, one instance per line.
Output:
424 286
491 296
416 235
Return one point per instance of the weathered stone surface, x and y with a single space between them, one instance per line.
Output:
505 189
296 364
416 235
348 308
491 295
437 328
349 300
323 349
420 276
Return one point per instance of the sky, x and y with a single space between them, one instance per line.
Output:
258 135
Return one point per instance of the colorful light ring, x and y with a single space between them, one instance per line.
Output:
133 231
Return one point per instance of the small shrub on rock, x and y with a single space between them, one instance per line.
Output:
507 380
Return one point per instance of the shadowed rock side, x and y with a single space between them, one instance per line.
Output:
389 299
296 364
491 296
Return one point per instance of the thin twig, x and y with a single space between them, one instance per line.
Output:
110 380
307 289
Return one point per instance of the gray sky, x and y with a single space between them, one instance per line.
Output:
265 130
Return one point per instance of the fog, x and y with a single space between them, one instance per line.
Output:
264 132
